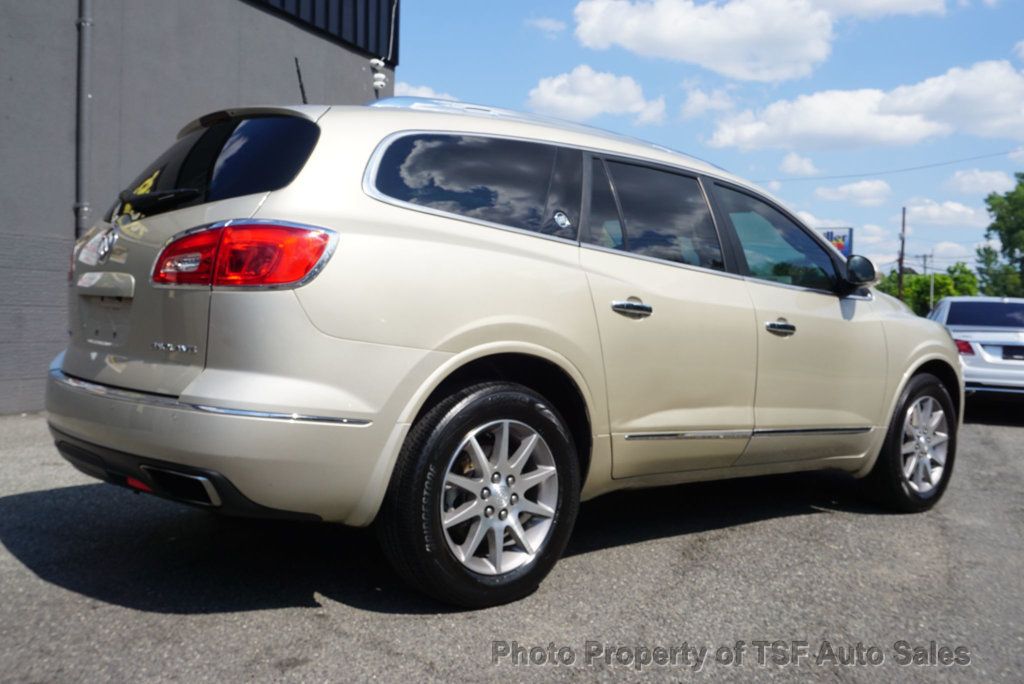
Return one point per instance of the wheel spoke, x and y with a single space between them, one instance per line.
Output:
480 461
535 477
519 535
938 439
469 484
522 455
909 465
919 474
909 447
501 444
537 509
466 511
473 539
936 418
934 474
939 456
497 551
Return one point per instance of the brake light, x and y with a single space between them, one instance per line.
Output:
242 255
964 347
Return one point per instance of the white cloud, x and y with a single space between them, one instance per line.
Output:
926 211
757 40
584 93
699 102
409 90
866 193
815 222
983 99
951 249
753 40
978 182
795 165
870 234
546 25
774 185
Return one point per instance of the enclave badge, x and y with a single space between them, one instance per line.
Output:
106 245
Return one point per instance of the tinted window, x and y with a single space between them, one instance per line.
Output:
232 158
665 216
501 181
605 228
775 247
987 314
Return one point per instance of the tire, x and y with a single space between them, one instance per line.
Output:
431 483
899 481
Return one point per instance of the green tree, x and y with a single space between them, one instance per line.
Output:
917 289
1007 211
997 278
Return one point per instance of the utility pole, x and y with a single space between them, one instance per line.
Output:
903 243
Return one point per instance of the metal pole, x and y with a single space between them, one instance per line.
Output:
903 239
83 126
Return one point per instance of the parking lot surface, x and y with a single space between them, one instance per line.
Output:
97 583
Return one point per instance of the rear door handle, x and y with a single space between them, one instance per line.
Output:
632 308
781 327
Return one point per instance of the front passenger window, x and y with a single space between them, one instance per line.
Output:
775 247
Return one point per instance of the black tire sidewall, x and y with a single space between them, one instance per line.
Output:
490 403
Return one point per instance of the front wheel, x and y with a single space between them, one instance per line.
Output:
916 461
483 497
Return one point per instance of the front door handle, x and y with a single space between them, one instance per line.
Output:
633 308
781 327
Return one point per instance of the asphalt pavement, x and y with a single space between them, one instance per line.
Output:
100 584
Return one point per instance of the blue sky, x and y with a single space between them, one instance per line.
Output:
785 92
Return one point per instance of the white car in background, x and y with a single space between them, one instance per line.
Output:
989 334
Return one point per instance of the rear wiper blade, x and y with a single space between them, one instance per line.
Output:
161 199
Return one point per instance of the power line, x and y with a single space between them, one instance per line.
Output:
908 169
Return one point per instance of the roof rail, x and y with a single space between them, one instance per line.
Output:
469 109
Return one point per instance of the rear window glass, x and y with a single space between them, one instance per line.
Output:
230 158
526 185
986 314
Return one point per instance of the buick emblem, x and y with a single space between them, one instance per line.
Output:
106 245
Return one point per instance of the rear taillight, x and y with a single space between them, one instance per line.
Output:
242 255
964 347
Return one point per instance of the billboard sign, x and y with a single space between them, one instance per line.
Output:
841 239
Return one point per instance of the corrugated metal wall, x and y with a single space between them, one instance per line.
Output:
363 24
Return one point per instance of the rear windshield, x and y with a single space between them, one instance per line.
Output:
987 314
230 158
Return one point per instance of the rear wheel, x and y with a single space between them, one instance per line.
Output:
483 497
916 462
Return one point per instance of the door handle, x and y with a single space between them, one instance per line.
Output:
632 308
781 327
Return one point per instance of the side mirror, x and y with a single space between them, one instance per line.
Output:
860 272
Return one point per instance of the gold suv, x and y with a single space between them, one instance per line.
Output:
456 323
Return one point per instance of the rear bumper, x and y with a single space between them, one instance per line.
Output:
194 486
980 388
258 462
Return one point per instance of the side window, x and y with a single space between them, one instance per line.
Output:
665 214
776 249
605 227
507 182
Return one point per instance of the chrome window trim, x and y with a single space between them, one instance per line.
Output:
743 434
163 401
332 244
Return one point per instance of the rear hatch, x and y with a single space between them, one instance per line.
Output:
126 331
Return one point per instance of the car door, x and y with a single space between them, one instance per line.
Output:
822 358
677 330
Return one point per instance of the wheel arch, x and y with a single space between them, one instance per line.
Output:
939 366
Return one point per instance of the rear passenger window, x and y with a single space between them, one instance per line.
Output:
665 216
526 185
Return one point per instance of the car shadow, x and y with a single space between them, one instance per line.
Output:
1008 411
152 555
